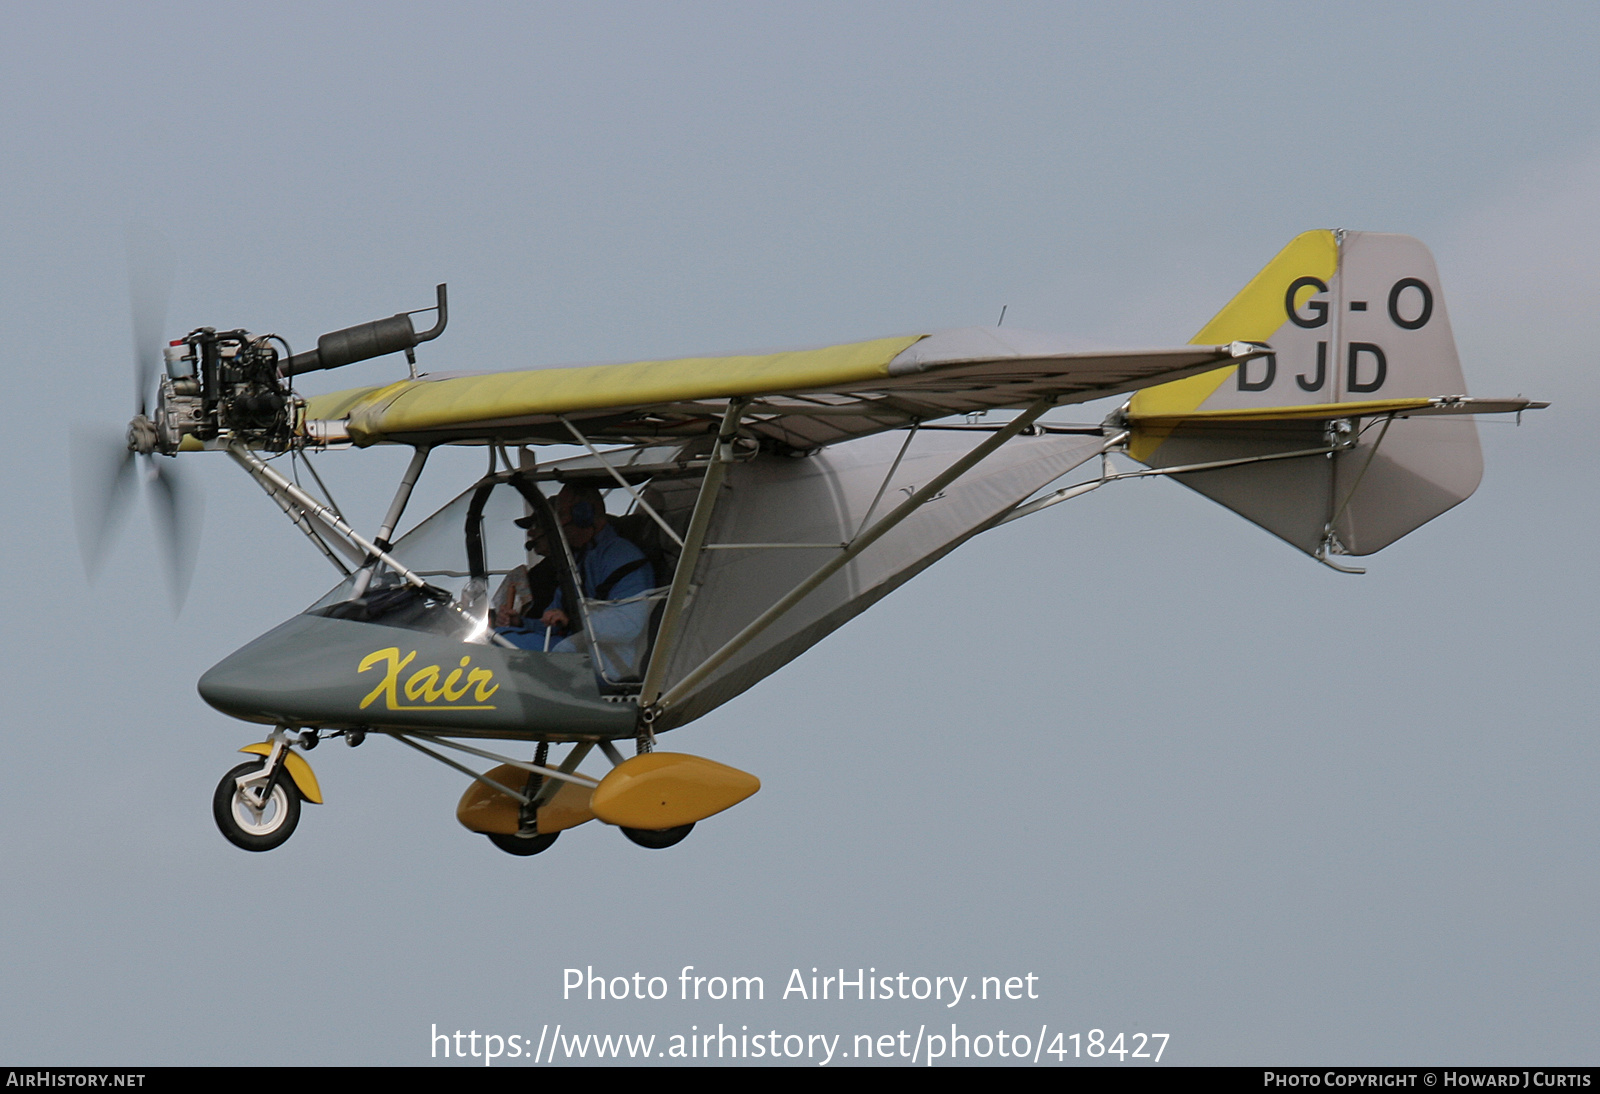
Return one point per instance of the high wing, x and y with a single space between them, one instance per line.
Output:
799 399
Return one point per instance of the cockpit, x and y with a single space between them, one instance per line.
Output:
566 539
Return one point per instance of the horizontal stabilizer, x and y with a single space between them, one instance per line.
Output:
1327 412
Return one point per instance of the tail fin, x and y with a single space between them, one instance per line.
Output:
1364 361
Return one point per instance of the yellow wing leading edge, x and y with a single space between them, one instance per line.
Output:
804 399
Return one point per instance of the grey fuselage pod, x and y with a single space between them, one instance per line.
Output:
340 674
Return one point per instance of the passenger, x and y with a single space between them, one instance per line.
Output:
609 568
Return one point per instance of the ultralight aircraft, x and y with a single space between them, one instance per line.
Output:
727 513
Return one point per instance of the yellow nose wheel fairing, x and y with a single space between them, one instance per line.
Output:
305 780
257 806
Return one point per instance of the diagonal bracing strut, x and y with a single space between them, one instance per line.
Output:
859 544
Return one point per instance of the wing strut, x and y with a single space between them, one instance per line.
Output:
911 435
710 488
397 506
838 562
317 532
275 484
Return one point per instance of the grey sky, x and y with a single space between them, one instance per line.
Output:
1196 783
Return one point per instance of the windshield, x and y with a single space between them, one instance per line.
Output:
575 575
452 603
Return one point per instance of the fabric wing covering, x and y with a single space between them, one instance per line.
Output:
801 399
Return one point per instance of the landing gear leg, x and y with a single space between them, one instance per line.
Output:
529 841
645 741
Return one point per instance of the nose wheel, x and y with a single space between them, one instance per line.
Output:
250 815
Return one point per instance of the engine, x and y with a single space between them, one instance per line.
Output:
225 382
234 386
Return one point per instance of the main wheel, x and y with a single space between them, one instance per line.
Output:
657 839
253 825
522 845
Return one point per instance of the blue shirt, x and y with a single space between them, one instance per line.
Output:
604 555
618 633
617 638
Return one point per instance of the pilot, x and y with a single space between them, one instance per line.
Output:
609 568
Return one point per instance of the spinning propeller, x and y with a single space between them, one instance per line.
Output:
221 389
106 472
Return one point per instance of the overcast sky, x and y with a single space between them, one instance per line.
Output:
1190 780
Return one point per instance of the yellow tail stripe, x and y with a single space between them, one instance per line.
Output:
1254 315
